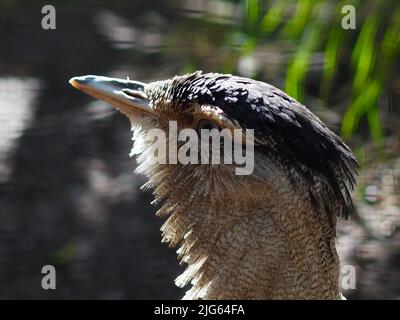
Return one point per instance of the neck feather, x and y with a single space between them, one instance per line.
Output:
254 243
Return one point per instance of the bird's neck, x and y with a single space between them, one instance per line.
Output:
264 246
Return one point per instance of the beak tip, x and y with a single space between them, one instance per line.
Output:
78 82
75 82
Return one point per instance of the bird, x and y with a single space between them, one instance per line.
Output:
270 234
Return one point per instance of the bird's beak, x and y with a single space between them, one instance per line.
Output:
126 95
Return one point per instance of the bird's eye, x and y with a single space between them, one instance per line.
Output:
207 124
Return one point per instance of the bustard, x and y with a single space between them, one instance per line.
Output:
267 235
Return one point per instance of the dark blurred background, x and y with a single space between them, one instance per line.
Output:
68 194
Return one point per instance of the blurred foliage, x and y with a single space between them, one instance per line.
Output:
312 30
316 25
65 254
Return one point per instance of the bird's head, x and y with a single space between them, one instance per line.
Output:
294 152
